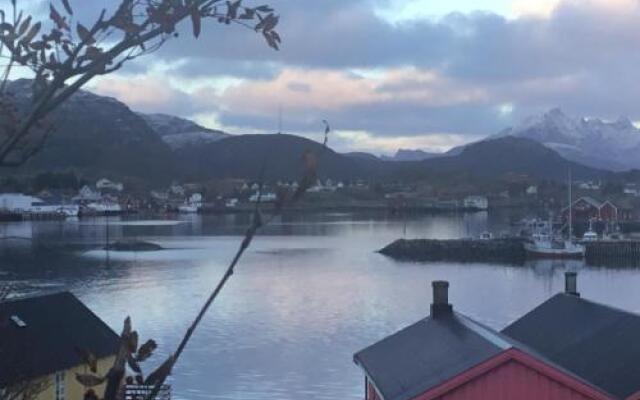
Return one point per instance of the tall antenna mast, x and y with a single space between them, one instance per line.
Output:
279 118
570 208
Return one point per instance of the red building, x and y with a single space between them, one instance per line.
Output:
448 356
587 209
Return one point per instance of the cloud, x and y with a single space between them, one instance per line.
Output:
346 141
459 76
152 95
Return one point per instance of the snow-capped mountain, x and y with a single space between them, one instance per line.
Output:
410 155
179 132
590 141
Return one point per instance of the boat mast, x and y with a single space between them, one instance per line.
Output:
570 210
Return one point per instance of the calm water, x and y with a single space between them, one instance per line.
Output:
310 292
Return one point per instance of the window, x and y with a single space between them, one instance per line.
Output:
59 385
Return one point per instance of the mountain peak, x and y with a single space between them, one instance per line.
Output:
623 123
591 141
556 113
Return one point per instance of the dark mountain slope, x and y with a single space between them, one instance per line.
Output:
99 136
498 158
276 156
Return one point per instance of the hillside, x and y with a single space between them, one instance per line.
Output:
497 158
411 155
277 156
179 132
99 136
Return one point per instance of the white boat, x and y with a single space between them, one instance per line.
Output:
546 245
104 207
188 208
43 208
590 235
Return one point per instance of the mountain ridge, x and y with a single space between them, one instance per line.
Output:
612 145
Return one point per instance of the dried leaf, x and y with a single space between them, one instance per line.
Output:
85 35
88 359
272 43
67 6
6 27
57 18
89 380
232 9
32 33
249 13
24 26
133 364
146 350
195 21
133 342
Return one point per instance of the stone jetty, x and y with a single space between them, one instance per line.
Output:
461 250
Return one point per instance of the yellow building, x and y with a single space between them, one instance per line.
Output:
41 342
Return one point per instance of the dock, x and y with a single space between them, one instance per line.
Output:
616 254
613 253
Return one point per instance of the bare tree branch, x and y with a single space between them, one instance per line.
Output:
64 58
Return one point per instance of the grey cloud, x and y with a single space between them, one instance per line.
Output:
480 49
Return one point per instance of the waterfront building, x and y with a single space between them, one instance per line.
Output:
41 339
476 202
86 194
17 202
106 184
567 348
587 208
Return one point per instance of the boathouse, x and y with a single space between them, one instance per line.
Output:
448 355
596 342
588 208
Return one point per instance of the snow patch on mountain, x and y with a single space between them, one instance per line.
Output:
179 132
603 144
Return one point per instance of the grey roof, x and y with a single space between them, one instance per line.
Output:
598 343
427 353
56 326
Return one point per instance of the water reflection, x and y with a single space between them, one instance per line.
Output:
310 292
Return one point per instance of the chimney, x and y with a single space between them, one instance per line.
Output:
440 306
571 284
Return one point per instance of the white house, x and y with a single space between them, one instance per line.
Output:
264 198
106 184
20 203
195 198
532 190
177 190
632 190
476 202
589 185
87 194
17 202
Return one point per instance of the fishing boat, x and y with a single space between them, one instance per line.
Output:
590 235
544 244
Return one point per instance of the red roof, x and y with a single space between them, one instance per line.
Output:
514 374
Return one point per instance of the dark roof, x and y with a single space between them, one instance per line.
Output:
596 342
56 326
427 353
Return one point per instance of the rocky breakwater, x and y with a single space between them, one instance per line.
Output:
460 250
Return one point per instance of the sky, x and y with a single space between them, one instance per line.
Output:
389 74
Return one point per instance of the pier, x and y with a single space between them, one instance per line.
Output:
613 253
620 253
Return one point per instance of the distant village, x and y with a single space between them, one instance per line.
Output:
49 198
